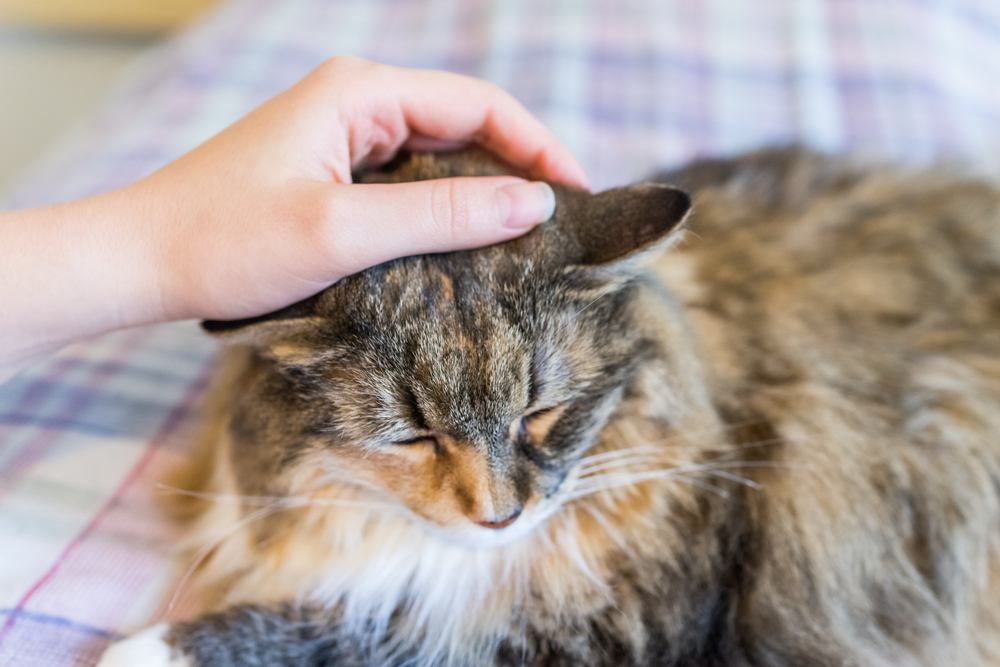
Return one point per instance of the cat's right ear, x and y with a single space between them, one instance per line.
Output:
616 229
283 334
603 240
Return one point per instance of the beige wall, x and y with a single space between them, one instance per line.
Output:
58 60
104 15
50 85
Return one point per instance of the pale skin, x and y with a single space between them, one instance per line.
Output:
264 214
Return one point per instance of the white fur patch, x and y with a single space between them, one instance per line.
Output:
458 587
459 597
145 649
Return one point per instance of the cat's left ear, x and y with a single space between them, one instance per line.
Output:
284 335
616 229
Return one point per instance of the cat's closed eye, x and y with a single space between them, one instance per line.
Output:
535 426
418 440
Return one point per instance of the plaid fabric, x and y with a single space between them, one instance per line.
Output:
84 553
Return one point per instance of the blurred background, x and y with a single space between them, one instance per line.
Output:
95 94
60 58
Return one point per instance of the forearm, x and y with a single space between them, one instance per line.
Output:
263 215
75 270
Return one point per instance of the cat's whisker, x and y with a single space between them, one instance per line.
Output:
608 527
696 436
778 465
280 505
633 458
713 430
658 445
359 484
341 502
577 313
219 497
706 470
702 484
630 464
269 505
610 480
208 548
766 442
673 473
602 456
618 481
305 500
713 466
710 468
749 483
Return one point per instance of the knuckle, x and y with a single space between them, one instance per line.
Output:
451 208
337 68
329 224
315 217
352 78
496 98
342 62
327 238
493 90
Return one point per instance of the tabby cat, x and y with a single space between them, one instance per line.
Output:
765 434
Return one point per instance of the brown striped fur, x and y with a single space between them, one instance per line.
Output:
810 378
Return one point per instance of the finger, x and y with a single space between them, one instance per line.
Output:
371 224
383 106
452 107
416 143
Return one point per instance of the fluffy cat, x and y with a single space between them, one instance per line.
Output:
771 440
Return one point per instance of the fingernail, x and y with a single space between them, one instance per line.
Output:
530 204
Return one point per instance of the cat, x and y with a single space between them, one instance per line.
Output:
764 434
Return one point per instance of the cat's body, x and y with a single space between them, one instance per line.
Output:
788 430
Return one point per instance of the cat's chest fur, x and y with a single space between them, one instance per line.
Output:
386 574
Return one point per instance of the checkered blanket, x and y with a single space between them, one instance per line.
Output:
84 552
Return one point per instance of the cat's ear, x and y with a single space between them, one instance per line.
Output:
284 335
616 229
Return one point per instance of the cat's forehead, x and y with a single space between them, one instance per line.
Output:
457 333
460 292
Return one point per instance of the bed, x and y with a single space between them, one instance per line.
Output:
86 554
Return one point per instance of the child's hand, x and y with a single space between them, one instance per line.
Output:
264 214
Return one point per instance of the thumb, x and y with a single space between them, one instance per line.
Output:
373 223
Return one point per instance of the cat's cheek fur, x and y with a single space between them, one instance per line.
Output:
147 648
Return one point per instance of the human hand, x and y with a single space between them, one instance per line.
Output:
264 214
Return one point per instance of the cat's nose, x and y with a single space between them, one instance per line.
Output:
497 524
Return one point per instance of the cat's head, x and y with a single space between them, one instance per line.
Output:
463 386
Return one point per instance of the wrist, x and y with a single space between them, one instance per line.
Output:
75 270
120 257
165 238
135 223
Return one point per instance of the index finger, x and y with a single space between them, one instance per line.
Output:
456 108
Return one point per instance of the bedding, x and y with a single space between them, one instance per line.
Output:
85 437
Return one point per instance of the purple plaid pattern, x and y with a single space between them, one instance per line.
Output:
629 85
